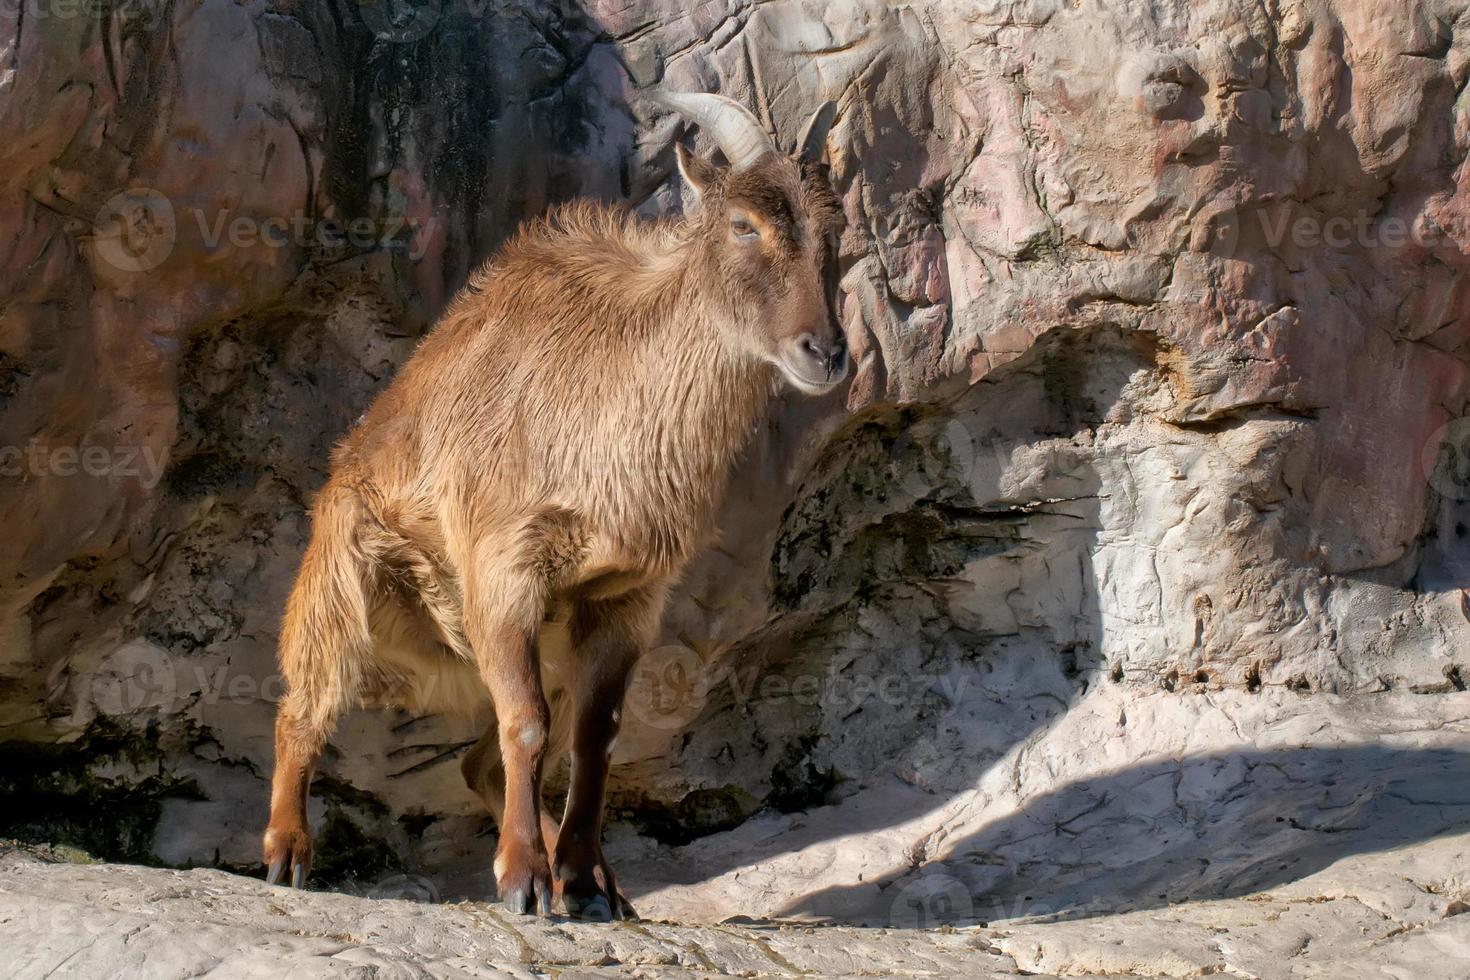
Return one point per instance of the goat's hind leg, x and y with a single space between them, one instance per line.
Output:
484 773
287 845
324 643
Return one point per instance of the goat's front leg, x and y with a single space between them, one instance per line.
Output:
503 609
509 665
610 635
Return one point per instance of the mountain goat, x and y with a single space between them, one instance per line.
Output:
554 452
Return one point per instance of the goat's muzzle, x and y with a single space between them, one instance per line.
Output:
814 364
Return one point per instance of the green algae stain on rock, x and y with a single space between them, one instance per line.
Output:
102 793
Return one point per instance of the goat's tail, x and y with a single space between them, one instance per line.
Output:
325 638
325 644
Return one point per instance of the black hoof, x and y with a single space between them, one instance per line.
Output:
276 873
528 899
519 901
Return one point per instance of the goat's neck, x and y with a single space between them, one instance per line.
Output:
704 392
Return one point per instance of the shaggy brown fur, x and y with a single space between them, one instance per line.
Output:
542 469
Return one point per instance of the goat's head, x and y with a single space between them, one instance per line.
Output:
769 233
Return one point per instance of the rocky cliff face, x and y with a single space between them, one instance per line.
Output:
1160 318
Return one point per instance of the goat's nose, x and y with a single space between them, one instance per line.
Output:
830 356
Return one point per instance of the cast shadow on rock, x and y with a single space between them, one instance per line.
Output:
1212 826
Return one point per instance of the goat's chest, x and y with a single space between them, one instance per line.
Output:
627 550
646 508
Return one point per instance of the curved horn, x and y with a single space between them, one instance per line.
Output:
813 141
733 127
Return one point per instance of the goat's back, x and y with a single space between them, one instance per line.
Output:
573 371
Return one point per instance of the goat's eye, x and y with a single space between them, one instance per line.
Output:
743 230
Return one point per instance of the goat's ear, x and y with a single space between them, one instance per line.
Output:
698 172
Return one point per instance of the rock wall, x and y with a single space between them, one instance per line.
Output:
1159 312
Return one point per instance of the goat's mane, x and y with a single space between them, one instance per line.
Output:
591 232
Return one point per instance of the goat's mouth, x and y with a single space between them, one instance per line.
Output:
810 378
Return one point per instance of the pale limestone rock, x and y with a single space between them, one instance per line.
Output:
121 922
